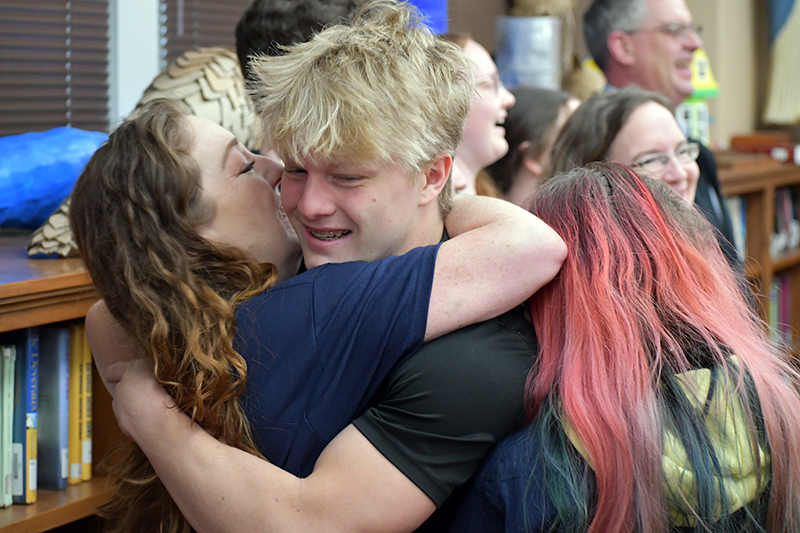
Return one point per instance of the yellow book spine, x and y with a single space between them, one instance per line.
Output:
75 360
30 489
86 419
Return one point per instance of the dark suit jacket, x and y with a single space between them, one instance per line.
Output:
710 202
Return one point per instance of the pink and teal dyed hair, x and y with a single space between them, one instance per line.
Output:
644 295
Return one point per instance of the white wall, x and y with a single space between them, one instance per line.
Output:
134 53
730 41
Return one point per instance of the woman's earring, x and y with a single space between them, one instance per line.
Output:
281 212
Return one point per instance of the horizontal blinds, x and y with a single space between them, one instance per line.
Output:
89 70
190 24
53 65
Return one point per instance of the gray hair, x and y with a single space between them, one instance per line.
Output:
606 16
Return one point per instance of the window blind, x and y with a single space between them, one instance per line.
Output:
190 24
53 65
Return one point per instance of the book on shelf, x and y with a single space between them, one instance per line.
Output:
26 393
785 310
8 356
786 235
75 474
86 404
737 208
780 309
54 348
772 310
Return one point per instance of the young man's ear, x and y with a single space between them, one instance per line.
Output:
436 174
621 48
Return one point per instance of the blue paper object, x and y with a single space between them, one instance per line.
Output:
779 13
435 12
38 171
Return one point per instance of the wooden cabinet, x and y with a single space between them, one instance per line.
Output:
756 180
35 292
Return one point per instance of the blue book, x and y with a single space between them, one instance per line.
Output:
53 417
26 392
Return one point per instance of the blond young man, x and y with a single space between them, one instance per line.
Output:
367 119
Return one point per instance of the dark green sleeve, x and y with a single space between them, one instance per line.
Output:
442 409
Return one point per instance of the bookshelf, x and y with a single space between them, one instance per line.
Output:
35 292
756 179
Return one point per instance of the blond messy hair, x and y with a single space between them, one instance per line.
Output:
382 89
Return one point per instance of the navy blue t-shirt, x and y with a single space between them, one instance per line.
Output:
318 345
508 494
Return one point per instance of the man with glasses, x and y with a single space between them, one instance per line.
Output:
650 44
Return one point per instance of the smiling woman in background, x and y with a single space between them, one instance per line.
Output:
484 136
637 128
634 127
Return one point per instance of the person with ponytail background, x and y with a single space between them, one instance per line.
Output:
657 402
532 126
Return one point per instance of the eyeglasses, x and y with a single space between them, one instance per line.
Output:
656 163
492 81
677 30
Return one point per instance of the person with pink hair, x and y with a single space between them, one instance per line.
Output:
657 402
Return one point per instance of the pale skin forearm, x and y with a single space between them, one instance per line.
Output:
108 341
222 489
211 498
502 255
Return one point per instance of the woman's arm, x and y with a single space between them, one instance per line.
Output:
220 489
498 256
109 341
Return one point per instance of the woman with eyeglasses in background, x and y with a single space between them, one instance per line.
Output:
484 136
638 129
634 127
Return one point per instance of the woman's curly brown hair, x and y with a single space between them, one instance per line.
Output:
134 212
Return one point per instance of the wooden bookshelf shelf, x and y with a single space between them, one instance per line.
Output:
746 179
788 259
756 180
55 508
35 292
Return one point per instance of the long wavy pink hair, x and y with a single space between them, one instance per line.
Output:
644 280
